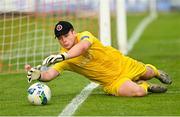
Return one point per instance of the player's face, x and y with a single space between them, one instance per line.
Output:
68 40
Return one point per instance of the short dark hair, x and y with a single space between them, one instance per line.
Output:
62 28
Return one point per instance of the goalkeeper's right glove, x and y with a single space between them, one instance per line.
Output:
34 73
52 59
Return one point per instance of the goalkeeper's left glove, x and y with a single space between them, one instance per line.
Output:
34 73
52 59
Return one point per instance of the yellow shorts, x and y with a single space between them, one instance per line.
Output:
132 71
113 88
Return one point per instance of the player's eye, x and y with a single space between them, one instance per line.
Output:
59 38
66 35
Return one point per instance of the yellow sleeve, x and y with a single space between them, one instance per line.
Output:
62 50
61 66
86 36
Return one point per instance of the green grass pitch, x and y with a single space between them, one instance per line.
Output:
159 45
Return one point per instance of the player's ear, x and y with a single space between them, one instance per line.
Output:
73 31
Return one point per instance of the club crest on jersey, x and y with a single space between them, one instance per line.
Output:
59 27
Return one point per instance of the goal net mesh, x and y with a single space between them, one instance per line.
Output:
26 28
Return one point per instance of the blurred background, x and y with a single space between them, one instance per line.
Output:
73 6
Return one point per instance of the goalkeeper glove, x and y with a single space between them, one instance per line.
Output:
34 73
52 59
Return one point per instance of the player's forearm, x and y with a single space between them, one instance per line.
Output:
78 49
75 51
48 75
45 77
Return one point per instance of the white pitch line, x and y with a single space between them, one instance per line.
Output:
139 30
79 99
71 107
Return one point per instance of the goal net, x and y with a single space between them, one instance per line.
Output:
26 28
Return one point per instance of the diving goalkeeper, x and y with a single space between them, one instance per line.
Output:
83 53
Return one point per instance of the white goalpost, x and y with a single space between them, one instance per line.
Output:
121 26
105 25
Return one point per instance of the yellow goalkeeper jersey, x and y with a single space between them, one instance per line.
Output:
101 64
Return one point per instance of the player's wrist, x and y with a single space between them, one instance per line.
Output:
64 56
39 79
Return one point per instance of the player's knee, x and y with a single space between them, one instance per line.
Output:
149 72
139 92
135 92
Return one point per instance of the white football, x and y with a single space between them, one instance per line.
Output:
39 94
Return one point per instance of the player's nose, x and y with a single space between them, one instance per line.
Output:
65 40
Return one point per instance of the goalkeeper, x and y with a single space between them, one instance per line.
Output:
83 53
